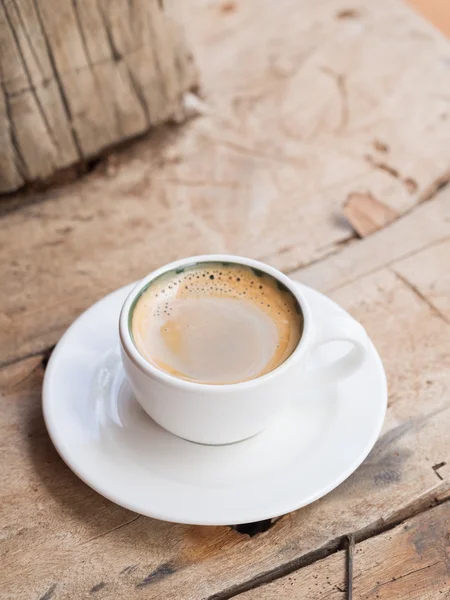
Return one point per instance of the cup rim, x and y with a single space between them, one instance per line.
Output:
144 365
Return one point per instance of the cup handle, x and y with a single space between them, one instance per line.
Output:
339 329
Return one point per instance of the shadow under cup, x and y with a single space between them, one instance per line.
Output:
215 322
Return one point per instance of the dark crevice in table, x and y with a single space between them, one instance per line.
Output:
334 546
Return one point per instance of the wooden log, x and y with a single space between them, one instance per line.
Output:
77 77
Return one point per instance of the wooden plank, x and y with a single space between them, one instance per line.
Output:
426 273
410 562
304 106
426 226
69 540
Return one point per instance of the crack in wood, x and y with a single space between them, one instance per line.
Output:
159 69
435 187
341 84
349 570
139 92
383 266
326 252
331 547
59 81
103 533
90 63
117 56
420 295
271 575
407 574
30 81
380 146
26 90
18 159
128 569
436 469
30 40
41 352
410 184
47 80
382 166
348 13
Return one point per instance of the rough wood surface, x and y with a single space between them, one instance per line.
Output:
410 562
304 105
430 278
425 227
78 76
290 115
61 536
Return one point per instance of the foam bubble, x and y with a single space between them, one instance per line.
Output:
214 325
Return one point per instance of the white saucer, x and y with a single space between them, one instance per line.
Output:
112 445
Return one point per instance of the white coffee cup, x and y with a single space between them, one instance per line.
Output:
222 414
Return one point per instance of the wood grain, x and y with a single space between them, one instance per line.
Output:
425 227
428 276
297 95
303 107
410 562
78 79
61 536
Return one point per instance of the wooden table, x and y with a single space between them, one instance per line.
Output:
310 112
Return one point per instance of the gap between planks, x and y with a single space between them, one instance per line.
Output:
418 293
387 265
330 548
435 188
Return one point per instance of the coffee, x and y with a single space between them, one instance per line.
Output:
216 323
